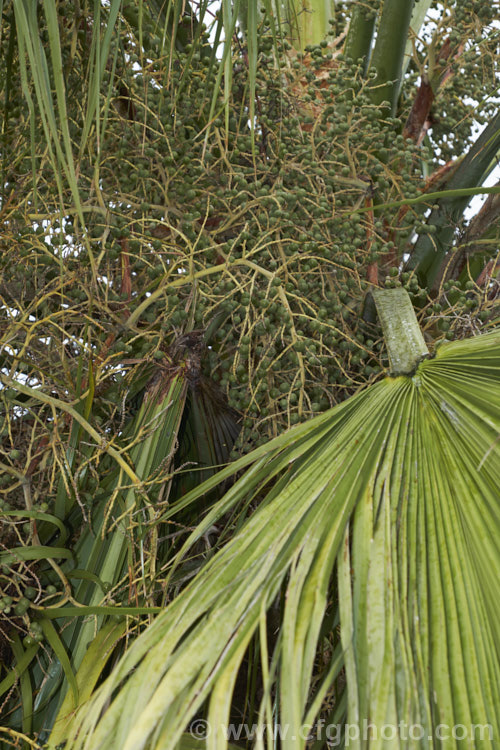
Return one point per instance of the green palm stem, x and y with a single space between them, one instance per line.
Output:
430 251
389 52
402 335
360 35
309 20
420 10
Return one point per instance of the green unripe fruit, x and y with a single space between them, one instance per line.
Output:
22 606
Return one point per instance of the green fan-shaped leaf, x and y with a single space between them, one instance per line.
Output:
397 491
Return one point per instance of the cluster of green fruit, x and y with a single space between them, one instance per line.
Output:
269 230
17 608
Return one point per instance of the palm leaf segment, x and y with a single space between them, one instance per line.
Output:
394 494
182 430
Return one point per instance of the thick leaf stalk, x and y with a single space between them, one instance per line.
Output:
430 250
389 51
405 344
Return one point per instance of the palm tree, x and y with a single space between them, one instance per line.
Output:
194 233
